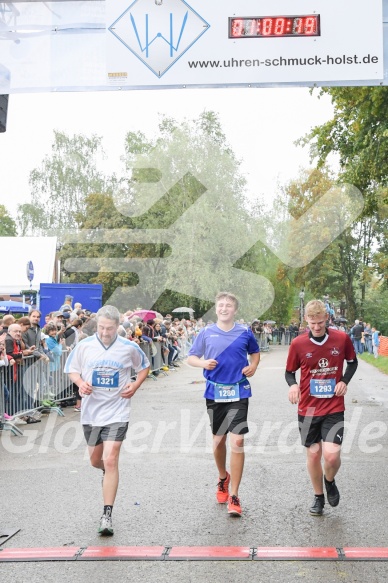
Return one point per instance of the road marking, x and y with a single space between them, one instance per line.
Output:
193 553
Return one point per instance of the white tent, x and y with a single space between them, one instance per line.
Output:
16 253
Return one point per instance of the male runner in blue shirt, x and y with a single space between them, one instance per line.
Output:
224 347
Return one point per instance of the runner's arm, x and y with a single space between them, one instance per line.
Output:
350 370
131 388
254 360
209 364
294 391
84 387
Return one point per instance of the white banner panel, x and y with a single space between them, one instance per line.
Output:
97 45
198 42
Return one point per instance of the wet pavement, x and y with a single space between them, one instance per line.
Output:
167 486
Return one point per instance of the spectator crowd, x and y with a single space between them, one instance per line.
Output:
166 341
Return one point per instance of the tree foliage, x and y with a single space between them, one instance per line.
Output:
59 187
345 268
358 135
7 224
186 187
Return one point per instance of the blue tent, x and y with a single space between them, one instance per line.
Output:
14 307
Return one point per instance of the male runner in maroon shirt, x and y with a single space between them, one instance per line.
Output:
320 356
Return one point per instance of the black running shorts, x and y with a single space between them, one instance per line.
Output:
329 428
225 417
95 435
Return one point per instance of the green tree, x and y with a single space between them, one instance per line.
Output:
281 310
101 215
376 308
185 186
346 266
7 224
358 135
59 187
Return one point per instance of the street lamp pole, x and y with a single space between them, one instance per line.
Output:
301 307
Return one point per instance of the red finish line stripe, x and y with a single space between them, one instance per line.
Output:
295 553
159 553
98 553
365 553
40 554
193 553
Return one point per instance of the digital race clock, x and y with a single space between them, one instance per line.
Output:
274 26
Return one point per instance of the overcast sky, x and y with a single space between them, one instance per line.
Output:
260 124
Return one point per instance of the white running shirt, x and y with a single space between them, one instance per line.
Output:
101 365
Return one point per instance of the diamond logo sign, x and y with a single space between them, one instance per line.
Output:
159 32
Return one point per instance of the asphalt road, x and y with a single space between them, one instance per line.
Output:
167 487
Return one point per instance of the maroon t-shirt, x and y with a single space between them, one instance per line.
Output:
320 360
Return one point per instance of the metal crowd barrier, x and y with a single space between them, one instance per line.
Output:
36 386
262 340
280 337
29 388
276 338
154 354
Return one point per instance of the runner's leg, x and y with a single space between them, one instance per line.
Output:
314 467
237 458
95 455
332 459
219 452
110 458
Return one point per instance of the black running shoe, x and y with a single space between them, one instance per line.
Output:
333 495
317 507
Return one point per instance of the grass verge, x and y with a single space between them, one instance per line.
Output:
381 362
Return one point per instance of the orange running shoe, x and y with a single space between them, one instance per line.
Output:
223 490
234 506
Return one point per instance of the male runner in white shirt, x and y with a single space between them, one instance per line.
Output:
102 367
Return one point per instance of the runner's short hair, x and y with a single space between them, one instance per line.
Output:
109 312
229 296
315 308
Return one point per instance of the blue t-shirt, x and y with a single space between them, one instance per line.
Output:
230 350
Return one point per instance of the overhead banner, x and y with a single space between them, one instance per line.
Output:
131 44
244 42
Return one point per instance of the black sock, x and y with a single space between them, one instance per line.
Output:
108 510
320 496
328 481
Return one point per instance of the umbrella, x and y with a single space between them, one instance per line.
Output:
146 315
16 307
189 310
270 322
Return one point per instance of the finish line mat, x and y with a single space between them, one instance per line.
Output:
155 553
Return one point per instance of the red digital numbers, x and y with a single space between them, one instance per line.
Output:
274 26
310 25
